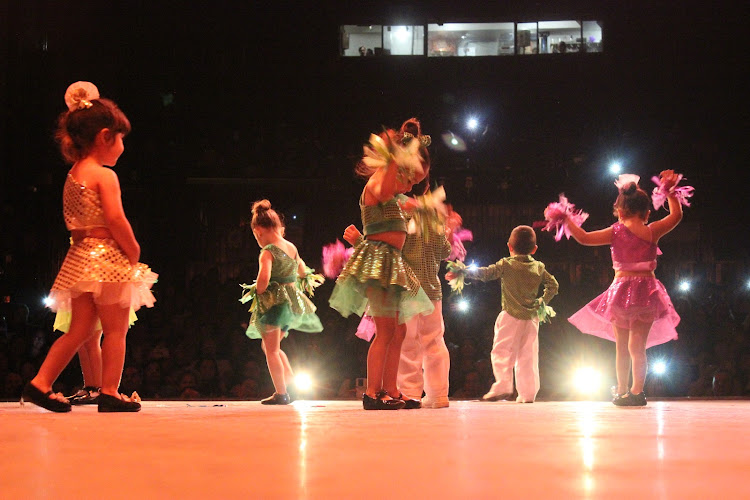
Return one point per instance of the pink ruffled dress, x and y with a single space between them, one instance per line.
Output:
630 298
96 265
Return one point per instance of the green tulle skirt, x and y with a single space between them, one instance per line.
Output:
376 277
285 307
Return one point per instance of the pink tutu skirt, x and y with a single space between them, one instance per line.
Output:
630 299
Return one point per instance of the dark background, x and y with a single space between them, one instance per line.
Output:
231 102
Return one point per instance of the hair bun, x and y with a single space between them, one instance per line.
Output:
630 188
261 206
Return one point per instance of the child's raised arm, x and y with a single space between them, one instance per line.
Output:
593 238
122 232
661 227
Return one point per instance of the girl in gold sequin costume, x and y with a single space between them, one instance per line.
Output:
278 303
376 275
101 279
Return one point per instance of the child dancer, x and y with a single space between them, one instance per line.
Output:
278 304
635 311
516 342
376 275
425 360
101 278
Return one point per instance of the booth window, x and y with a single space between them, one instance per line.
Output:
361 40
470 39
403 40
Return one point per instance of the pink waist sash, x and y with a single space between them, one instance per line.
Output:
649 265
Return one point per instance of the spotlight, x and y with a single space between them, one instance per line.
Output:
453 141
747 285
47 301
472 266
684 286
463 305
587 380
615 167
472 123
303 382
659 368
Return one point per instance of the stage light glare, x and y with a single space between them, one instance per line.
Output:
659 368
303 382
472 123
587 380
747 285
684 286
473 266
47 301
454 141
463 305
615 167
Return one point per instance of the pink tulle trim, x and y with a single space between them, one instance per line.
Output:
129 294
366 329
557 213
335 257
660 193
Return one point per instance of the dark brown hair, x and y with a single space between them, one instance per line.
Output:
77 129
632 200
413 127
265 216
523 240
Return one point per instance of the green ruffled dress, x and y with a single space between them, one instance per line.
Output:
282 304
376 275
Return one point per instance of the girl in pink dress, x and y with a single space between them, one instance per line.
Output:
635 311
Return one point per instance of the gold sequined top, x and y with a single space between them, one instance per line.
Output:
383 217
520 277
82 207
424 256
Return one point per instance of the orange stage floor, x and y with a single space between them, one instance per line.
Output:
335 450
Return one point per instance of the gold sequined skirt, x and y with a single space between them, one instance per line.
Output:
98 266
377 276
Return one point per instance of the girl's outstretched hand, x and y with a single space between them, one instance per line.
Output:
669 179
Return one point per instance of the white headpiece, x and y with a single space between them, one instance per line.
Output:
80 94
624 179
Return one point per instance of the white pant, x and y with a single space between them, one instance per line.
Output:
424 349
516 345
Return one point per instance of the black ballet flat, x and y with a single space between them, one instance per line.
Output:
112 404
39 398
369 403
409 404
276 399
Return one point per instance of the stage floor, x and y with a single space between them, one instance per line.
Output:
334 449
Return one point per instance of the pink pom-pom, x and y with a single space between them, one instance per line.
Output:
660 193
458 251
335 257
366 329
557 213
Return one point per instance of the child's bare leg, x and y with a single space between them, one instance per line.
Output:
62 351
622 363
637 348
271 346
384 332
288 372
392 359
90 357
115 325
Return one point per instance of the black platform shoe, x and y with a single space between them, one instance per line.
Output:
276 399
89 395
369 403
630 399
112 404
39 398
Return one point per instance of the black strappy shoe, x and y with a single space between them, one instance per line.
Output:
113 404
89 395
39 398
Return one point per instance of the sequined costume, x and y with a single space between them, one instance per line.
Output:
282 304
376 273
630 298
96 265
